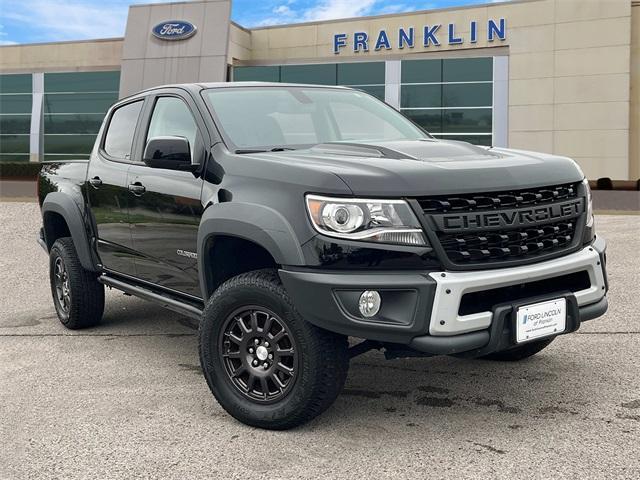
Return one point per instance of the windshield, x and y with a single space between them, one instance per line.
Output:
265 118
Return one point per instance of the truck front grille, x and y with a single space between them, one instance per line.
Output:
509 226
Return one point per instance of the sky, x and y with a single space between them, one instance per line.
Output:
32 21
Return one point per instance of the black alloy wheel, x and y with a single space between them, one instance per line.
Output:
259 354
61 284
78 297
264 363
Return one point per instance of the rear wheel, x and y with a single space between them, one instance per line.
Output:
521 352
78 297
265 364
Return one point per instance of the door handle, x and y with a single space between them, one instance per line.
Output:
95 182
137 188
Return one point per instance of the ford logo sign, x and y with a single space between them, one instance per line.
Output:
174 30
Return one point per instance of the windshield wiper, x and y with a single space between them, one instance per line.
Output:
262 150
249 150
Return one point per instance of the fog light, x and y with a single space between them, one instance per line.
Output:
369 303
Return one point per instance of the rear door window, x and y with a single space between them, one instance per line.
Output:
119 138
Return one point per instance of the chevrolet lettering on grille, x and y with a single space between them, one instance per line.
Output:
505 219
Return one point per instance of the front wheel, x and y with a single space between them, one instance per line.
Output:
263 362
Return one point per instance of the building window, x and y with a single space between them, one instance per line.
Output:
366 76
320 74
256 74
450 98
15 117
74 106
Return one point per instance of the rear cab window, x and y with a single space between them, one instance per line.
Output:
118 140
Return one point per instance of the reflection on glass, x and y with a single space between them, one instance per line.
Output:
15 124
15 83
73 123
14 143
76 82
467 95
81 144
79 102
366 76
15 103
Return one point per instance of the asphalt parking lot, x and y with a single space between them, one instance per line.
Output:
127 399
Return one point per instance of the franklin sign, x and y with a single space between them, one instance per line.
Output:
426 37
173 30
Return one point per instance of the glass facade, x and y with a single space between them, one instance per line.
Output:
74 105
366 76
15 117
450 98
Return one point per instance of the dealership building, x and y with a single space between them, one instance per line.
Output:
556 76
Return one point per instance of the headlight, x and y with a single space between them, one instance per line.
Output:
589 224
384 221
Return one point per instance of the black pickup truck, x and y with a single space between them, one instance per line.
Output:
287 218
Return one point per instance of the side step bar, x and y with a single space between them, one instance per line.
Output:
137 291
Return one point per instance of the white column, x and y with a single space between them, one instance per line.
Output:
392 83
500 101
37 97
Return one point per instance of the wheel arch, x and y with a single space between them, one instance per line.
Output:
62 217
253 224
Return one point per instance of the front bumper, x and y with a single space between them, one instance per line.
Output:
422 309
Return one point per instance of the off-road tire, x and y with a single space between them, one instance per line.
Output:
85 301
322 359
521 352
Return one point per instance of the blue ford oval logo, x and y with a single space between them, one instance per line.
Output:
174 30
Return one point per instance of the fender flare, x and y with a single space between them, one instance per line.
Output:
64 205
259 224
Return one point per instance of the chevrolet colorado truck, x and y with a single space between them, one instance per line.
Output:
288 218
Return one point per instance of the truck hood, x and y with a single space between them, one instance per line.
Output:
431 167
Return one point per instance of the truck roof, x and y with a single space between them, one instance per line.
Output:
264 84
205 85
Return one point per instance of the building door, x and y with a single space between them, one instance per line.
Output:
107 192
165 206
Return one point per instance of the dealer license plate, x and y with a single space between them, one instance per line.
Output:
541 320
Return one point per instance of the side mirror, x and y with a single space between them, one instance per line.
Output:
171 153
